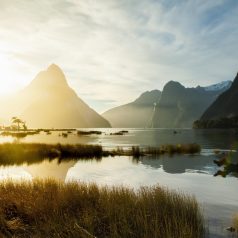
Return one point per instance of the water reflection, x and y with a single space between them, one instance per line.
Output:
44 169
14 172
57 168
48 169
191 174
193 177
108 167
182 163
211 139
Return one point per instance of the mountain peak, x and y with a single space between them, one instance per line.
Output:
55 72
53 76
235 81
149 97
225 104
54 67
49 102
173 86
219 86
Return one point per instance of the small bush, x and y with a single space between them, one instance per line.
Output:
85 133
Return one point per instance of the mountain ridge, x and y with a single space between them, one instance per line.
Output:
179 106
218 86
167 109
133 114
49 102
224 106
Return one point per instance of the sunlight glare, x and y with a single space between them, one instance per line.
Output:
9 75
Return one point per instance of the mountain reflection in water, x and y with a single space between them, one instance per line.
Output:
187 173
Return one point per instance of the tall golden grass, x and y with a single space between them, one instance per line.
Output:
18 153
46 208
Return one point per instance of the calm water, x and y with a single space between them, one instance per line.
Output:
190 174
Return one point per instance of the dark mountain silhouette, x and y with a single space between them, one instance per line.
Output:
137 114
179 107
49 102
225 105
223 112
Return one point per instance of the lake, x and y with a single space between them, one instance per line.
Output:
191 174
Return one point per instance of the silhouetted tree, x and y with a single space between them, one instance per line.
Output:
24 126
18 122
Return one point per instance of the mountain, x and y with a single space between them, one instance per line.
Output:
223 112
137 114
179 107
49 102
219 86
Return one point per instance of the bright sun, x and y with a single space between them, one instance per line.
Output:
9 75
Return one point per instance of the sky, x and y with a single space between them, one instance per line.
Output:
113 50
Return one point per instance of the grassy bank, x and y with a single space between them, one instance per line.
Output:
18 153
137 151
171 149
19 134
52 209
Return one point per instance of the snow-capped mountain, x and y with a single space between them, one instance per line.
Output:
216 87
225 106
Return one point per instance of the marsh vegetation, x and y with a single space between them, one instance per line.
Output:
19 134
18 153
86 133
46 208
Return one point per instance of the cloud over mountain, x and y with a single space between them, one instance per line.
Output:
113 46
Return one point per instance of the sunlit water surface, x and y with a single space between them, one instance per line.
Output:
190 174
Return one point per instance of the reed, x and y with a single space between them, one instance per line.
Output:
166 149
19 134
48 208
18 153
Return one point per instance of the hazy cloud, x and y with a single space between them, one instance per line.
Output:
113 50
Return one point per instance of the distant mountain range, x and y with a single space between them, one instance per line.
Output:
219 86
179 107
175 107
223 112
49 102
136 114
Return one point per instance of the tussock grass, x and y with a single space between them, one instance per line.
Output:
46 208
18 153
181 149
136 151
23 133
19 134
